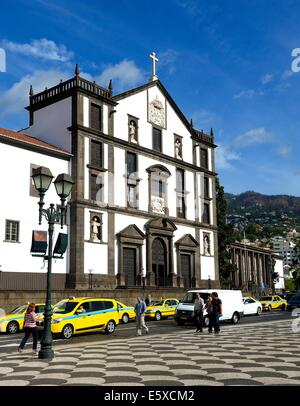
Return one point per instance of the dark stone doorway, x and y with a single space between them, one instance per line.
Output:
159 263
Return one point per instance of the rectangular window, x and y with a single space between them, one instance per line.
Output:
131 196
132 182
96 154
156 139
12 231
206 216
96 187
95 117
206 187
158 188
131 163
204 158
180 193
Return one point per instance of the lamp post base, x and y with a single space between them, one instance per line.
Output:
46 353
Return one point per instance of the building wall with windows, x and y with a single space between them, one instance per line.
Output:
142 209
19 203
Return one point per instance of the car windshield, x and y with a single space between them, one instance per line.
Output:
156 303
266 298
19 309
191 296
64 306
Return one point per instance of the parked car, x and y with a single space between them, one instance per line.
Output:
273 302
126 313
162 308
232 304
293 302
251 306
97 314
13 322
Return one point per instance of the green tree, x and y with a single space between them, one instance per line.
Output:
289 284
226 237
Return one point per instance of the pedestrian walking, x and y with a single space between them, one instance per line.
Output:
30 328
216 304
198 311
209 309
140 309
148 300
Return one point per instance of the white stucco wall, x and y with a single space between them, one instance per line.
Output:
50 124
18 205
279 269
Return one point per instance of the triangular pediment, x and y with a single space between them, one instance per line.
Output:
187 240
133 232
161 223
158 85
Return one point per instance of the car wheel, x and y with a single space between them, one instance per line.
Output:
158 316
180 323
12 327
206 321
235 318
283 307
67 331
259 311
110 327
269 308
125 318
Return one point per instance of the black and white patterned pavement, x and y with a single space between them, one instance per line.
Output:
257 354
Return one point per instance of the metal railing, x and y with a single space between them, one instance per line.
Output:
63 87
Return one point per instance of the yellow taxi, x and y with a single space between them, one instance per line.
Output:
83 314
162 308
273 302
126 313
13 322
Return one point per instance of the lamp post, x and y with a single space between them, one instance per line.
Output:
90 278
42 178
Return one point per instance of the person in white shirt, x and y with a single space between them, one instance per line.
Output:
198 311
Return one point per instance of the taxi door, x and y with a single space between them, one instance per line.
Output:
168 309
83 320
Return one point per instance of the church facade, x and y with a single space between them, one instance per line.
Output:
142 210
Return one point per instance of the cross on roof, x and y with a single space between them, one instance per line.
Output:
154 60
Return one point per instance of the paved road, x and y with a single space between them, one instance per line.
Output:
9 343
256 354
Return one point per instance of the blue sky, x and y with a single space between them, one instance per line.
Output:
226 64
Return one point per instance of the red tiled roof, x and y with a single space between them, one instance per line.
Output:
29 139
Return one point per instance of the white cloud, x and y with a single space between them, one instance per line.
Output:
41 48
287 74
253 137
267 78
284 151
204 119
15 99
124 75
247 94
167 59
224 157
191 6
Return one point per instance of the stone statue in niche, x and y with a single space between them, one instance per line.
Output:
96 229
206 245
132 132
178 149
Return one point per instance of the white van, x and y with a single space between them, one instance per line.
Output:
232 305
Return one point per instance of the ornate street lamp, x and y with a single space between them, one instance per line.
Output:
42 178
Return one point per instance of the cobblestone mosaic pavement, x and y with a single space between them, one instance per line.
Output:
256 354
